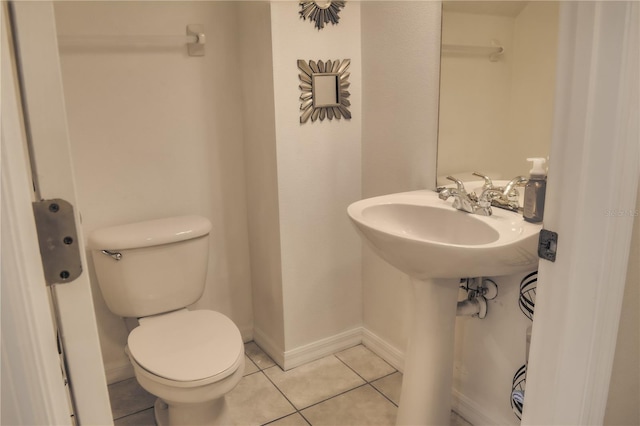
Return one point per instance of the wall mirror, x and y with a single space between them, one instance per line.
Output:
324 90
496 106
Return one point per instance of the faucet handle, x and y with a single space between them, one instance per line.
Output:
509 191
489 193
458 183
488 184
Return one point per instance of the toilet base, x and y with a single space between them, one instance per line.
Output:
161 413
214 413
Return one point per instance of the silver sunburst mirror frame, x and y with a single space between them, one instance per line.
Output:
321 12
324 90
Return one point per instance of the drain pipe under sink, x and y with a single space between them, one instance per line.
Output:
479 290
476 306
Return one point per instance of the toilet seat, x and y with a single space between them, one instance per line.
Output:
187 346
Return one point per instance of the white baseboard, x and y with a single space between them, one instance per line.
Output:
322 348
119 372
246 331
384 350
266 344
475 413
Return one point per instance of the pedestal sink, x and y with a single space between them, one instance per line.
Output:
437 245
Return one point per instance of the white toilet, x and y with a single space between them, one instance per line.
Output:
189 359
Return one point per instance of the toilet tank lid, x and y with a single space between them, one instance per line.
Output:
149 233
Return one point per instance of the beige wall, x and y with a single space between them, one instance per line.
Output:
319 175
157 133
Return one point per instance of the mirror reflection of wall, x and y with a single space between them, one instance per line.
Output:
495 114
325 90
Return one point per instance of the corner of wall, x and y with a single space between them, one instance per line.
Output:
262 175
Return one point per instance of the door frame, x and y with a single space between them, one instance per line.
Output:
42 99
31 376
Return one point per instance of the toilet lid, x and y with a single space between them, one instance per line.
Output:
186 345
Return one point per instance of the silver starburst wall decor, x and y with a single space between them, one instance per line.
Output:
324 89
321 12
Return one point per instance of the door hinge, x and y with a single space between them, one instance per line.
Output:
548 245
58 240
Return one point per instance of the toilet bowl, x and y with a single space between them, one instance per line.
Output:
189 359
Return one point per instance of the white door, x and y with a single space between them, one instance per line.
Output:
591 204
47 135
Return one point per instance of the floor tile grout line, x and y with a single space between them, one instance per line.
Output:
315 403
385 396
299 410
366 382
386 375
370 382
133 413
305 419
284 417
283 394
350 368
261 370
381 359
334 396
379 391
364 378
251 361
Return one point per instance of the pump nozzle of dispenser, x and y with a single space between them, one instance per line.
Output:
538 166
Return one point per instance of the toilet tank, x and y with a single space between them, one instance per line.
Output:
162 264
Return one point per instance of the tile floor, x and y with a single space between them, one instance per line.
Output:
354 387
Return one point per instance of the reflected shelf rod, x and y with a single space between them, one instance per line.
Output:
195 40
495 51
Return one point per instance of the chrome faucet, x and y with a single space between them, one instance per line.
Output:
509 191
509 198
462 199
503 197
485 200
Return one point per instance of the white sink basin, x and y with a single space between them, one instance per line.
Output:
426 237
437 245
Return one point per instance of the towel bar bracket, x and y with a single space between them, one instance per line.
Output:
196 48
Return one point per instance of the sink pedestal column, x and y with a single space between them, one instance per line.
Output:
428 368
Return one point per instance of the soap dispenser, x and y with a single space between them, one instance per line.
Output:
534 191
